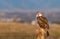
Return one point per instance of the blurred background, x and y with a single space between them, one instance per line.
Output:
17 18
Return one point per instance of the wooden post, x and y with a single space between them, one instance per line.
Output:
40 33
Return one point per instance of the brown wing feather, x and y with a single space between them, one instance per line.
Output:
45 21
42 21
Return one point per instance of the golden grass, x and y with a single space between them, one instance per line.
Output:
54 31
15 27
13 30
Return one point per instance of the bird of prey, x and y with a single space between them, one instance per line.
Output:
42 21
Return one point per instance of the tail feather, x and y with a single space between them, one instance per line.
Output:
47 33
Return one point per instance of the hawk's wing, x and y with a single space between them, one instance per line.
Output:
42 21
45 21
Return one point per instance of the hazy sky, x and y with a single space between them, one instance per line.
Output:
30 4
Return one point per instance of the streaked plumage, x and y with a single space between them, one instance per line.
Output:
42 21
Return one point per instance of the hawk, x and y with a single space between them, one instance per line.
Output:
42 21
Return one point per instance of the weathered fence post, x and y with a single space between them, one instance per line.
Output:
40 33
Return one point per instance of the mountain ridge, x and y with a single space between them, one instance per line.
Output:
29 16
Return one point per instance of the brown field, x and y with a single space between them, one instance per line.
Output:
12 30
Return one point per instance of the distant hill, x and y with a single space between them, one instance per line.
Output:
29 16
26 16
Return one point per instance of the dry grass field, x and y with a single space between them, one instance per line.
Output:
12 30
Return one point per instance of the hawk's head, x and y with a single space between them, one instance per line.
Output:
38 14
